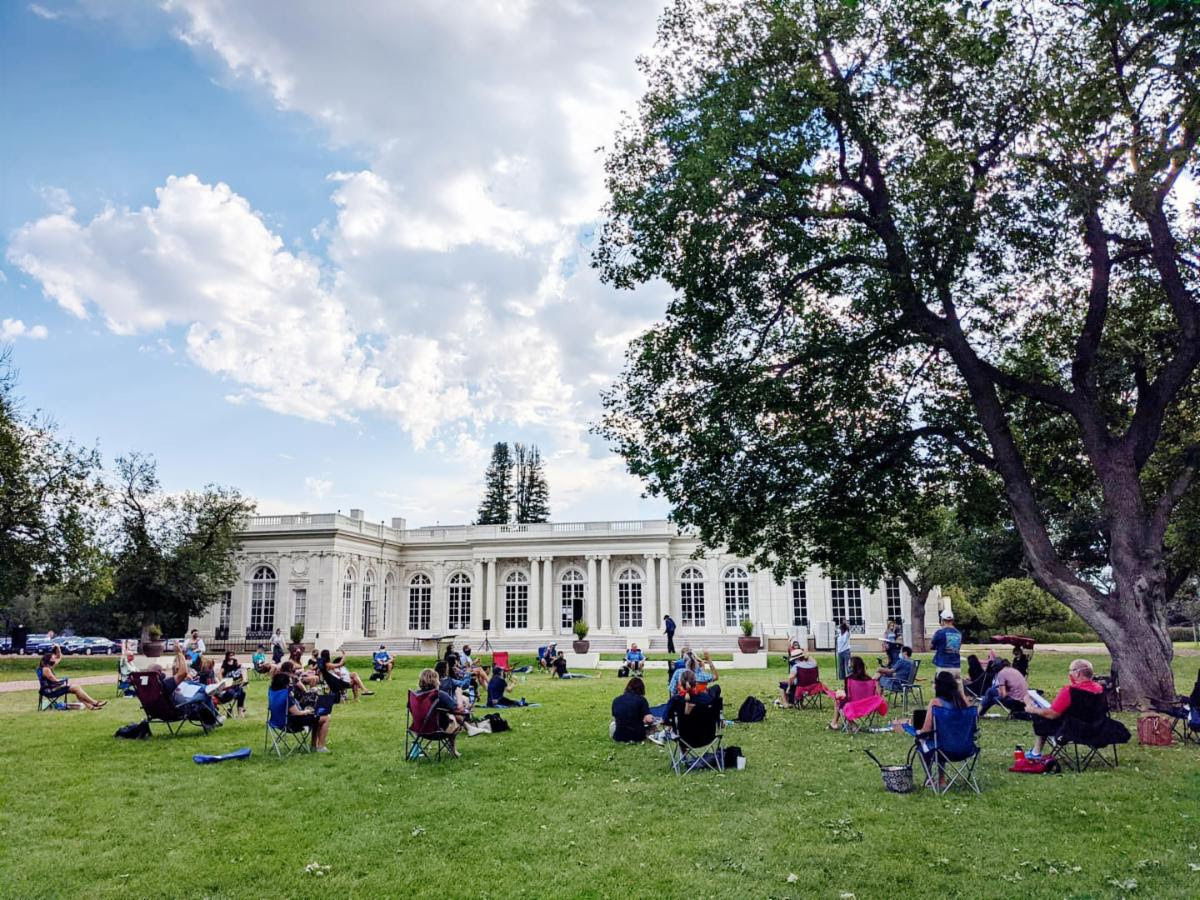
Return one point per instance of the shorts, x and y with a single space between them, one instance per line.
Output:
302 722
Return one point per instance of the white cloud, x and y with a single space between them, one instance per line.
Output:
41 12
317 487
11 329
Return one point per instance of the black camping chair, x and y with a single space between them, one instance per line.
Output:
697 738
1088 725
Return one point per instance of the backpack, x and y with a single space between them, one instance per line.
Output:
134 730
1046 765
751 710
498 724
731 757
1154 730
623 672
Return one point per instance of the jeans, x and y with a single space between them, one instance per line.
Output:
843 665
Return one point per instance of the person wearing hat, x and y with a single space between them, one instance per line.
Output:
946 643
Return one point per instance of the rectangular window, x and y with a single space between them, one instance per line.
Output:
691 603
572 600
262 606
299 605
799 602
420 602
845 595
347 603
225 611
895 609
737 601
629 604
516 606
460 606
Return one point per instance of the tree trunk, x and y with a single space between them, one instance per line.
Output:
916 617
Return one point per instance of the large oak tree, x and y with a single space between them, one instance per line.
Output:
920 249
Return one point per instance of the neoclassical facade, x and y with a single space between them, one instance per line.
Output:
350 580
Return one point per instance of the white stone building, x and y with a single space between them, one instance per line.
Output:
357 584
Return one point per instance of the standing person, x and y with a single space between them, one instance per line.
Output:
946 643
669 628
277 646
842 649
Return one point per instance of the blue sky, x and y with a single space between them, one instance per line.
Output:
326 260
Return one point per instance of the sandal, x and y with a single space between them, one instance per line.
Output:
100 704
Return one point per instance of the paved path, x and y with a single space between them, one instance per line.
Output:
9 686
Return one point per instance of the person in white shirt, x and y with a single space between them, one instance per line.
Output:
277 646
843 651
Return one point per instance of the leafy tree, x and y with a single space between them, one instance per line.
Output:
498 493
930 555
968 618
915 240
174 551
1019 603
50 498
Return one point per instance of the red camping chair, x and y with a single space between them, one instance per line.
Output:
808 690
500 658
423 728
863 707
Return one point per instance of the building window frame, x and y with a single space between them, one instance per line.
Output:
516 601
458 601
799 602
846 602
735 588
263 586
630 592
420 602
691 597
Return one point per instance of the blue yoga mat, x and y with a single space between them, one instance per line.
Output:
202 758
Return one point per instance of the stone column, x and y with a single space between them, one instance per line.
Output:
664 589
492 594
477 595
649 598
547 604
439 609
610 619
591 599
535 591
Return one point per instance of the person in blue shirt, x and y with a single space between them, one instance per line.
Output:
946 643
635 659
497 685
383 661
898 673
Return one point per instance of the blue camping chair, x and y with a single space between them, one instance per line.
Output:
281 738
952 748
50 695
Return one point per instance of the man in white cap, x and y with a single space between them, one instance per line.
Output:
946 643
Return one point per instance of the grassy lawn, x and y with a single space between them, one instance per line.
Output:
554 807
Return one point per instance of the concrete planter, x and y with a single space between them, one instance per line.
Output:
580 647
749 644
153 648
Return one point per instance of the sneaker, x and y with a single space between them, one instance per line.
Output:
220 720
368 693
321 750
658 737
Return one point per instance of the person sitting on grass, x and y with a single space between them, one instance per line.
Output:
545 657
1020 661
300 718
635 659
259 661
632 721
51 681
472 668
858 674
1045 721
383 661
900 673
232 671
451 712
496 688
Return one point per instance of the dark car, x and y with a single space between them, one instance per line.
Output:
37 644
90 646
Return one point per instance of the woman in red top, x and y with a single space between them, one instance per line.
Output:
1080 676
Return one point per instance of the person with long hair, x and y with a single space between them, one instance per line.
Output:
451 713
632 721
299 718
858 674
50 680
232 671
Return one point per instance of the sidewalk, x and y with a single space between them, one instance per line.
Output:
10 686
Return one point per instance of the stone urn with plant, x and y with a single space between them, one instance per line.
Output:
297 635
580 644
747 643
153 645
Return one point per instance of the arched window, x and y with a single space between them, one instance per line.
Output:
516 600
459 600
420 601
845 596
629 599
389 597
737 596
368 606
347 597
571 592
691 597
262 600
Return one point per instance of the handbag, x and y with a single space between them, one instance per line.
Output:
1154 730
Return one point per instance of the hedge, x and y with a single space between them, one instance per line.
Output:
1182 633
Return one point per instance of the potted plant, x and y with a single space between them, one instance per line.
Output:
746 643
297 637
581 631
153 646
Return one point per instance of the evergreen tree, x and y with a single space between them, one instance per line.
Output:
498 488
537 491
521 457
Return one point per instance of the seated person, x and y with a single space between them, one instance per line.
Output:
299 717
450 711
858 673
900 673
798 660
1045 721
1020 661
632 720
635 659
689 693
472 668
383 661
976 681
296 655
544 658
454 686
1009 689
194 649
259 661
945 693
496 688
338 669
235 676
697 666
50 681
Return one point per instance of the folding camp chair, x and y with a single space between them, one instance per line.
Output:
1087 724
125 672
334 685
158 706
696 739
1185 718
500 658
908 690
808 692
952 748
50 695
281 739
864 706
423 729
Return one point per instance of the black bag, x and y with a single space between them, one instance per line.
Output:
731 757
498 724
751 710
623 672
134 730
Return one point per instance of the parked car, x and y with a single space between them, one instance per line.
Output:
37 644
5 645
90 646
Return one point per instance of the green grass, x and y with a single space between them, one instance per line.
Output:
22 668
554 807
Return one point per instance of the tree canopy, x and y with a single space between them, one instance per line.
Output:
923 253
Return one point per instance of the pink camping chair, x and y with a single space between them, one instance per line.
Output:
863 707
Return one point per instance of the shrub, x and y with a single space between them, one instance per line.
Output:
580 628
1018 603
154 632
747 627
1182 633
297 632
1044 636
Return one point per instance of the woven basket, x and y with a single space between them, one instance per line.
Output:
896 779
